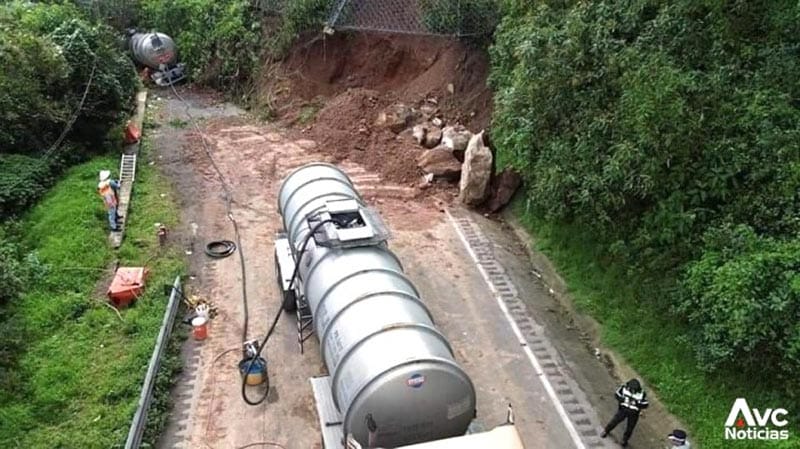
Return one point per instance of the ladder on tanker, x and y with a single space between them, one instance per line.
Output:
305 322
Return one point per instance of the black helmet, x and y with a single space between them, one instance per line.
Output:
634 385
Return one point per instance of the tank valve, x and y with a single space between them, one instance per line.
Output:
250 349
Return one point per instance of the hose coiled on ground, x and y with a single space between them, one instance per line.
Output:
219 249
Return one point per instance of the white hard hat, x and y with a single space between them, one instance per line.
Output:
104 174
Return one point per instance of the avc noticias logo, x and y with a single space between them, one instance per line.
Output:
745 423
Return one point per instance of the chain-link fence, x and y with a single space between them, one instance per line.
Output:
442 17
118 13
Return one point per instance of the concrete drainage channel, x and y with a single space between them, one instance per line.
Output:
568 399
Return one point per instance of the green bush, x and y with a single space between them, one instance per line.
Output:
17 268
465 17
217 40
651 123
48 52
297 17
31 91
742 298
23 179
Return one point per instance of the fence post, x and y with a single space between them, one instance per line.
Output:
336 13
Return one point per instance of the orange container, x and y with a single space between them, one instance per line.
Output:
128 284
132 133
200 328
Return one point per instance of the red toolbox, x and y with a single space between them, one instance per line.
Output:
128 284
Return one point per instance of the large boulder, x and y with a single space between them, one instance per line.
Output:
504 186
439 163
427 135
419 132
397 118
456 137
476 172
433 137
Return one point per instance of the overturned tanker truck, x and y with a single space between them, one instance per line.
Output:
393 381
158 53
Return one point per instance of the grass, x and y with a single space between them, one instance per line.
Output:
308 113
649 339
79 374
178 123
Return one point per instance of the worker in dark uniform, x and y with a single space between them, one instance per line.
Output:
632 400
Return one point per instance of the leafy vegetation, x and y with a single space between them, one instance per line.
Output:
668 131
71 368
225 42
463 18
49 54
648 337
218 40
297 17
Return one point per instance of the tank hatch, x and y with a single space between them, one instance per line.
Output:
348 224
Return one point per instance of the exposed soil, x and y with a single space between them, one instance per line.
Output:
328 94
208 411
350 79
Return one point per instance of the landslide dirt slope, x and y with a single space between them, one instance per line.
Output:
333 89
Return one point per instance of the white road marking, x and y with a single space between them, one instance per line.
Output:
537 367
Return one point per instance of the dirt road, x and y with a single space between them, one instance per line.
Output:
474 276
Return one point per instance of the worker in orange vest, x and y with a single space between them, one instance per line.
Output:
108 189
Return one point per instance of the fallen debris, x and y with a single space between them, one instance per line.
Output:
440 163
476 172
396 118
456 138
433 137
419 132
504 186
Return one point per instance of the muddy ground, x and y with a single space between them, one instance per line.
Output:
253 158
500 305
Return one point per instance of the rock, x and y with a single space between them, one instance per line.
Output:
433 137
451 88
440 164
428 110
456 137
432 100
396 117
306 144
437 122
476 172
504 186
419 133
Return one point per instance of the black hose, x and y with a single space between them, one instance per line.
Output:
219 249
275 320
228 195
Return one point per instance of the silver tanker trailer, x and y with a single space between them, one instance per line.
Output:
157 52
393 380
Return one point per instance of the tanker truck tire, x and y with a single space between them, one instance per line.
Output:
288 300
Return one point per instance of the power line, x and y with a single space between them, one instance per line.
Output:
75 115
43 159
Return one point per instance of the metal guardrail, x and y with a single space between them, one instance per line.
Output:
140 417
